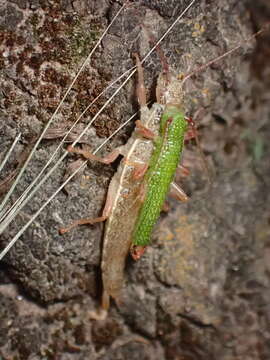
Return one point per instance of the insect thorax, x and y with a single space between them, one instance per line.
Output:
169 89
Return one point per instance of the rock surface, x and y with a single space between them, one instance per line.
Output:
201 291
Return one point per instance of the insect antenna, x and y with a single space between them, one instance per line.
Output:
198 70
194 135
219 58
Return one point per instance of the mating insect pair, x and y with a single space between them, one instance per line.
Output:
132 199
138 189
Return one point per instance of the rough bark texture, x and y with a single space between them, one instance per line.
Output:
201 291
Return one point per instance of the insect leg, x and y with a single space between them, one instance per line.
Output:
139 171
88 155
141 93
144 131
105 213
137 251
183 170
105 301
192 133
177 192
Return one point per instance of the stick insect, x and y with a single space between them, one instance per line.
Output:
46 202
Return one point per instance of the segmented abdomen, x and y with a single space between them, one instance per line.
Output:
163 164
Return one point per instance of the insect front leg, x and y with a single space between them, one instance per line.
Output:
144 131
192 133
183 170
177 192
111 191
105 213
137 251
111 157
141 95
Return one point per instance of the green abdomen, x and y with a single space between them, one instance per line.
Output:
161 171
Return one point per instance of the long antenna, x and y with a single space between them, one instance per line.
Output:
204 66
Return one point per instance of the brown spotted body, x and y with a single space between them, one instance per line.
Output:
127 188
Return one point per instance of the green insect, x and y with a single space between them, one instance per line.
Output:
163 164
168 147
166 154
